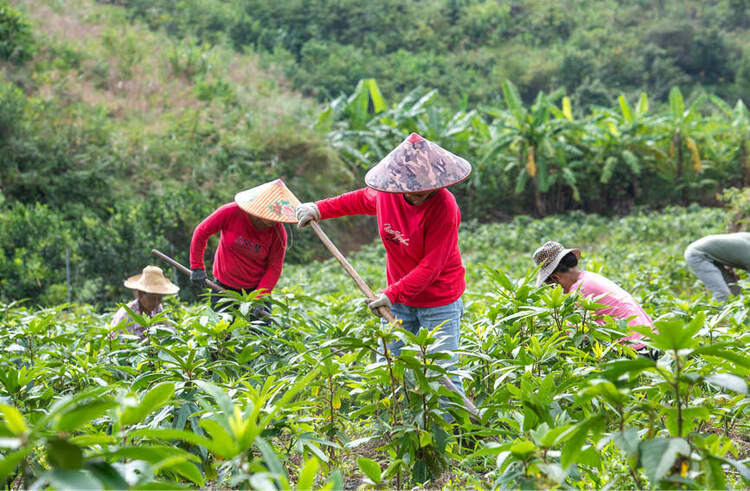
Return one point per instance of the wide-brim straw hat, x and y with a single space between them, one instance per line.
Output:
548 257
417 165
152 280
270 201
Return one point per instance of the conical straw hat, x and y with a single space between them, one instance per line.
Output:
152 280
417 165
270 201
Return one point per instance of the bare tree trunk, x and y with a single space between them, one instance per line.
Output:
538 198
532 171
636 187
744 164
677 140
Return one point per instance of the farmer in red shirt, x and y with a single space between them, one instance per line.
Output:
418 223
252 242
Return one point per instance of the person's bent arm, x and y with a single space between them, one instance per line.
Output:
209 226
359 202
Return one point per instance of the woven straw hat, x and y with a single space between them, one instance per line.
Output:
152 280
270 201
549 256
417 165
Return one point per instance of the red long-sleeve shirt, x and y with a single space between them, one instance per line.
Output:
423 262
246 257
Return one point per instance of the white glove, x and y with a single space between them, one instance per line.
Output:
382 300
306 213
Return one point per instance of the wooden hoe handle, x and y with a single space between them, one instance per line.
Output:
384 311
182 268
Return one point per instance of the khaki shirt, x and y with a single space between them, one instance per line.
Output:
132 326
729 249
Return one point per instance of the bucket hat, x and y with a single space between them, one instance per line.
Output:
152 280
270 201
548 257
417 165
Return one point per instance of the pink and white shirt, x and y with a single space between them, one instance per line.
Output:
620 304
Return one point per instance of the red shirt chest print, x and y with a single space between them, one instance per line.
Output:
394 235
249 246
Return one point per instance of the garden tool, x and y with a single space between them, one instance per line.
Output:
386 313
182 268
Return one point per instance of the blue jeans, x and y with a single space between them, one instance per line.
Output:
448 335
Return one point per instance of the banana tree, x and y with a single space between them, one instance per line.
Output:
363 129
536 141
682 126
347 121
622 144
419 112
734 138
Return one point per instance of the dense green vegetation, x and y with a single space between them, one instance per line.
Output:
122 126
117 140
305 404
544 158
466 48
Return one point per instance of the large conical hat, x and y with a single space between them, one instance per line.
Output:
270 201
152 280
417 165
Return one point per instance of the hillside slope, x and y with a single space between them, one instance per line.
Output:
117 140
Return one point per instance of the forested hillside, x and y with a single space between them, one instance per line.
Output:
116 139
594 49
123 125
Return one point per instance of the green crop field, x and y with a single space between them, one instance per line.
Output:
618 127
304 403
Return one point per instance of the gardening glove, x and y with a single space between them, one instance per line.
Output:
306 213
382 300
198 277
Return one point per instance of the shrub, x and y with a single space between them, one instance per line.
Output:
16 43
12 103
738 203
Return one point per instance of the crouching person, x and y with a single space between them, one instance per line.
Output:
713 259
560 266
252 243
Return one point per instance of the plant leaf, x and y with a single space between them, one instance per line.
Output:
9 463
658 456
728 381
627 441
153 400
370 468
63 454
83 413
13 419
307 474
